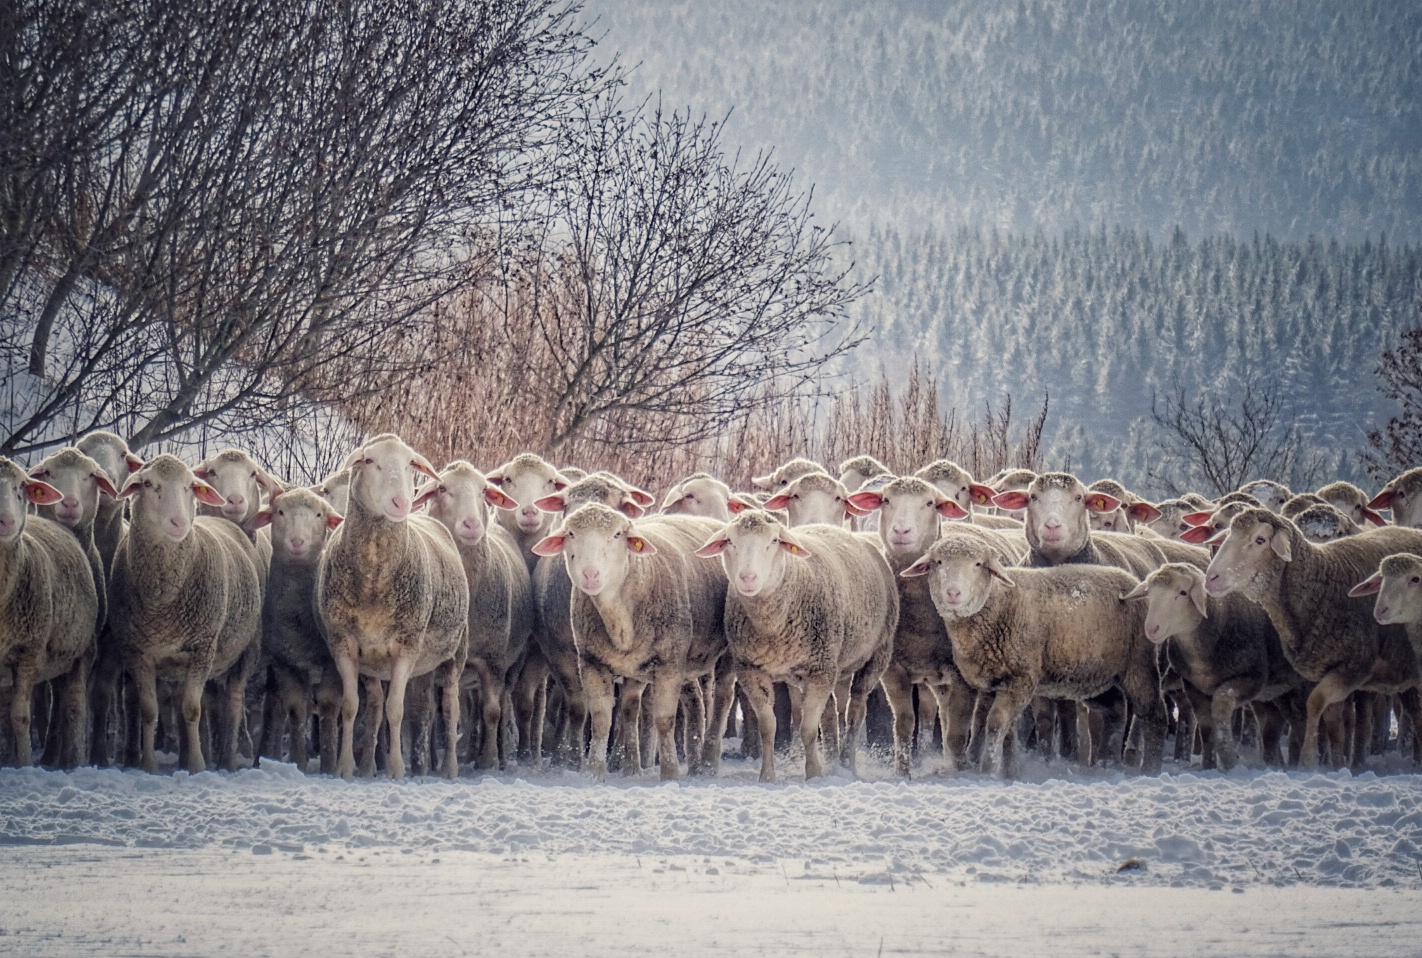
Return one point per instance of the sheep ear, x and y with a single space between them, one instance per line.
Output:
777 502
762 482
1279 542
206 494
737 505
1143 512
101 479
1382 500
203 471
631 509
422 465
1374 518
269 483
673 505
333 519
550 546
788 543
949 509
713 547
642 497
1369 586
548 503
1217 539
263 517
998 572
1100 502
639 546
1014 501
559 484
1196 536
134 463
1197 595
866 502
430 490
981 494
497 498
130 488
1197 518
920 567
41 493
1139 592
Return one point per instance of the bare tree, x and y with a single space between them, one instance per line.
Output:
1211 445
1397 445
677 283
288 188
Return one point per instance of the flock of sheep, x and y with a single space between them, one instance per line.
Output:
453 614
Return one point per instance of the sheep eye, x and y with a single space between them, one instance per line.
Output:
1416 580
1033 497
1259 540
1184 593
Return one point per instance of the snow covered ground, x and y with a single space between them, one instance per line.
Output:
268 861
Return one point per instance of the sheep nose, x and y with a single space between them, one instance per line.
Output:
590 578
748 578
1052 522
1380 612
7 525
1152 631
237 499
954 596
400 503
469 527
297 544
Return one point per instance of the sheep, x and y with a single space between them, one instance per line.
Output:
1300 501
335 489
241 482
855 472
1063 632
1303 588
909 509
1402 495
817 608
300 522
392 601
813 497
184 601
1012 480
957 484
1352 502
786 474
1226 650
1171 521
500 590
700 494
525 479
1397 583
642 608
1124 517
1271 495
49 609
1324 523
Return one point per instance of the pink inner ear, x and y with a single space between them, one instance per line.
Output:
1196 518
1011 501
1143 512
262 518
949 509
334 519
550 546
207 495
981 494
1196 535
713 548
41 493
496 498
426 494
134 463
777 502
106 487
867 502
631 509
550 503
1372 585
1382 500
1374 518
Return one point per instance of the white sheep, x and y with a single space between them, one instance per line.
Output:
500 591
700 494
1061 631
813 497
185 603
1352 502
1304 588
49 609
1271 495
304 672
1403 496
783 476
643 608
393 601
816 608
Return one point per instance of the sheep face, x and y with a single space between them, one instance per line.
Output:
814 497
1175 601
1252 554
961 575
699 496
335 489
909 512
239 480
754 548
1398 586
81 479
601 487
164 495
17 491
597 544
525 479
786 474
383 477
1057 513
955 483
1403 496
1171 522
461 499
1325 524
111 453
300 520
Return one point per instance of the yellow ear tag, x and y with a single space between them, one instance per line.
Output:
637 545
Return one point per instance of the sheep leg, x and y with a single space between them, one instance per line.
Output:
194 684
491 713
451 676
957 705
1007 704
530 701
350 702
75 707
276 709
928 712
22 709
104 683
598 694
1410 704
395 715
723 700
1333 688
629 726
1270 723
696 712
666 693
1208 724
812 706
759 691
328 711
899 691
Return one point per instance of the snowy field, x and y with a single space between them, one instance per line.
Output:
271 862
